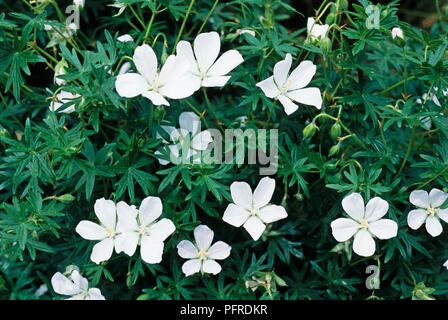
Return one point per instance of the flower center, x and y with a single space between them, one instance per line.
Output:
432 211
202 255
363 224
110 233
254 212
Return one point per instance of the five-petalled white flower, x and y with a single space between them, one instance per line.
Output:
202 253
64 102
252 210
364 223
206 68
397 33
187 142
73 284
105 232
315 30
173 81
429 211
292 88
141 227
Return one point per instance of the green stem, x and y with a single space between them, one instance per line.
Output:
136 15
208 16
148 28
182 27
408 151
397 85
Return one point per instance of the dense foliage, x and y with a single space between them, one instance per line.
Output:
382 131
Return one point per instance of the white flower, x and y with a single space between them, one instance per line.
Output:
125 38
59 70
397 32
141 227
429 211
247 31
202 254
188 138
173 81
74 285
79 3
64 97
446 264
287 88
252 210
206 68
364 223
125 68
105 232
315 30
43 289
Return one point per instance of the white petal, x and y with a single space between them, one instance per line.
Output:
130 85
344 228
289 106
219 250
353 205
191 267
174 68
95 294
255 227
127 217
150 209
201 140
102 251
206 49
241 194
186 249
446 264
443 214
272 213
151 250
376 208
106 212
384 229
90 231
145 61
228 61
125 38
215 81
156 98
364 245
184 49
211 266
308 96
235 215
437 198
203 236
62 285
162 229
301 76
263 192
433 226
419 198
281 70
190 122
127 242
79 281
416 218
125 68
269 87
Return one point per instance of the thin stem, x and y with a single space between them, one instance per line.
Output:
408 151
208 16
182 27
148 28
396 85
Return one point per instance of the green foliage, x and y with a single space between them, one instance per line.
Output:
370 137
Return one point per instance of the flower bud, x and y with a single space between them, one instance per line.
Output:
326 45
331 18
159 113
59 70
65 198
334 150
335 131
310 130
343 4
